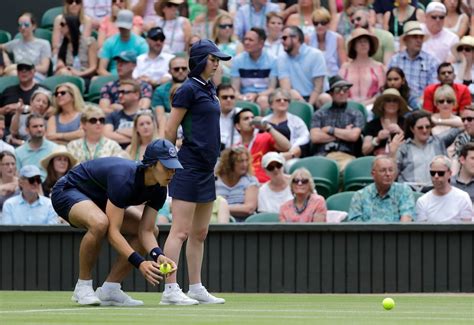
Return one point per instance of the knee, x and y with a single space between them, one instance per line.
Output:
200 234
99 227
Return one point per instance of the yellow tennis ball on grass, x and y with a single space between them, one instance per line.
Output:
165 268
388 303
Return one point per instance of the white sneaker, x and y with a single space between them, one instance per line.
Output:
116 298
85 295
205 297
176 297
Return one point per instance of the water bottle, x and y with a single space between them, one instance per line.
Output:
76 63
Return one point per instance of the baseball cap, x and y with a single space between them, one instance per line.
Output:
25 62
239 110
338 81
270 157
124 19
435 6
156 33
29 171
127 56
164 151
205 47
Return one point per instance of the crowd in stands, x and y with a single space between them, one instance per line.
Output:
336 79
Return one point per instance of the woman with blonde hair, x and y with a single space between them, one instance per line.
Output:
303 15
65 124
144 132
225 39
444 119
343 23
204 23
306 205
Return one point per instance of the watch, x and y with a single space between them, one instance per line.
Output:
331 130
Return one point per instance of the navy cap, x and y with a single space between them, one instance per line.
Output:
127 56
198 56
156 33
164 151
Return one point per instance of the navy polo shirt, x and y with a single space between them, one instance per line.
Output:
201 143
116 179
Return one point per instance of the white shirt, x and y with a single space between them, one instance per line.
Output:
6 147
270 201
450 208
226 123
97 9
153 68
432 44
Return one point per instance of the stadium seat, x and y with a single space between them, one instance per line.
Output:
5 36
41 33
340 201
302 110
47 20
358 173
263 217
245 104
52 82
96 85
325 173
8 81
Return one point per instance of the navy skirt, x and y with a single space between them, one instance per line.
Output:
193 185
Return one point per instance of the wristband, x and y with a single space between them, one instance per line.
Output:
155 253
136 259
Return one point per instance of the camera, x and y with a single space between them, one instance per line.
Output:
26 109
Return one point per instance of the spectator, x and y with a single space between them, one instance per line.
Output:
254 72
94 144
361 46
4 62
56 164
97 10
109 94
418 65
389 109
108 25
445 101
204 23
225 39
463 53
124 41
28 48
37 147
395 78
443 203
144 132
119 124
275 25
290 125
306 205
145 9
446 77
467 117
236 183
65 124
384 200
77 54
3 145
302 17
301 68
439 40
176 28
336 130
152 66
40 104
229 134
276 191
8 178
344 24
455 21
329 42
259 143
29 207
414 155
464 180
252 15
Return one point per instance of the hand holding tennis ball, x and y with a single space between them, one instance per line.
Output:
388 303
165 268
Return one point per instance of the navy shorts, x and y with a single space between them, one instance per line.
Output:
193 185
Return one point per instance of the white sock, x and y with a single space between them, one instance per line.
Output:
86 283
195 287
171 287
111 286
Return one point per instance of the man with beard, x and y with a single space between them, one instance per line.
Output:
301 67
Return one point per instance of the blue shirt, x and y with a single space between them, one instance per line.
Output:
254 75
114 45
302 68
202 138
368 206
246 17
17 211
27 156
116 179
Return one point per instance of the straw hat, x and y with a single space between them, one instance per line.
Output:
390 93
412 28
465 41
59 150
159 5
358 33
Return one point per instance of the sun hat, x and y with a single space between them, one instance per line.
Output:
412 28
59 150
390 93
270 157
358 33
465 41
159 5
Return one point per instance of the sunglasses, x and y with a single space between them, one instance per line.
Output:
282 100
445 101
286 37
437 17
465 49
70 2
391 100
34 179
24 25
272 167
226 26
62 24
300 181
157 38
439 172
94 120
23 68
226 97
423 127
169 5
322 23
177 69
469 119
125 92
61 93
115 1
353 20
343 89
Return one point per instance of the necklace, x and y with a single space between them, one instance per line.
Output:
300 210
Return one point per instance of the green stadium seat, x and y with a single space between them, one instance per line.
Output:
325 173
47 20
5 36
41 33
340 201
8 81
53 81
251 105
263 217
96 85
303 110
358 173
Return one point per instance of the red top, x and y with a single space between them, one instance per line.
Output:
463 97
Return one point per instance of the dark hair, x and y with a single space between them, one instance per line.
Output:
458 7
6 153
29 14
296 31
223 86
466 148
133 83
73 24
411 119
260 32
444 65
404 89
52 176
31 117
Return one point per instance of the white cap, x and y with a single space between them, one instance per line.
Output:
270 157
436 6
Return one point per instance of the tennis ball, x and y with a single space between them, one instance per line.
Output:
388 303
165 268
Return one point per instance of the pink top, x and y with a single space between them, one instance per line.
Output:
109 28
316 205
